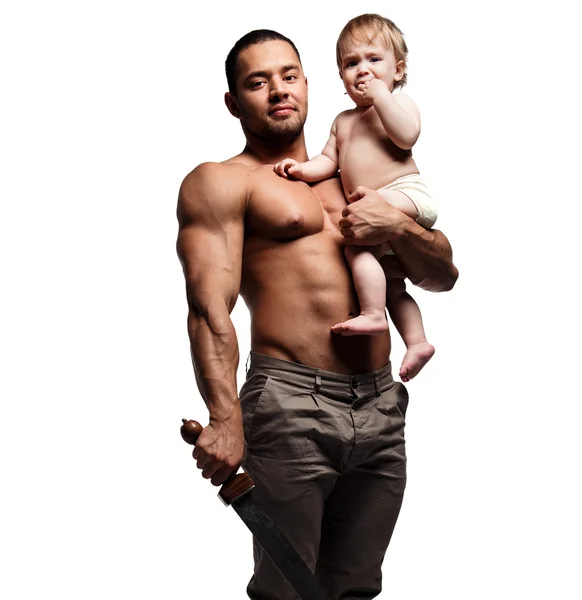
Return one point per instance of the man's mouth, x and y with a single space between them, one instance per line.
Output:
281 110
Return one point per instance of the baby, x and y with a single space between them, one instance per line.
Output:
371 145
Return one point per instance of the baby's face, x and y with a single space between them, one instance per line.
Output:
362 62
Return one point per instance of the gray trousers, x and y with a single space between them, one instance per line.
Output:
326 452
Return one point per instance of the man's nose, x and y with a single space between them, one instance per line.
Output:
278 89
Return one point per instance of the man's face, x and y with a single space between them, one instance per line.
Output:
361 62
271 97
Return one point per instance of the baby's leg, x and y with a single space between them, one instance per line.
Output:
370 284
400 201
407 319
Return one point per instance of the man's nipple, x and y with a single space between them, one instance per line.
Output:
295 221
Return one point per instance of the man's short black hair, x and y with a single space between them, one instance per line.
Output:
258 36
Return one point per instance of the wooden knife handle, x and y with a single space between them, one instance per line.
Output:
236 485
190 431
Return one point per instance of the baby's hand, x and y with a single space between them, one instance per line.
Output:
289 166
372 89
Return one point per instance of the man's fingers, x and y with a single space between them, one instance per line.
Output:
344 224
209 470
214 469
357 194
203 461
221 476
350 241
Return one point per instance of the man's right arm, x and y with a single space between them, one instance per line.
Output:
210 241
424 256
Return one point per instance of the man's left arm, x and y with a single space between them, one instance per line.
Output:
423 255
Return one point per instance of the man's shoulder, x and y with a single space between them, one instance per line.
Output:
210 171
216 187
235 170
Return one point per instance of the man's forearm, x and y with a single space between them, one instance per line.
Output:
215 357
426 257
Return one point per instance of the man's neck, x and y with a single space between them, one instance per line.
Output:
264 152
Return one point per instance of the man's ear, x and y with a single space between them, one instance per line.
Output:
232 104
400 70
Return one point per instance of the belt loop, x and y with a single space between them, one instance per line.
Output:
247 364
317 380
376 384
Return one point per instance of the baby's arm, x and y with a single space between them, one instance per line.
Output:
398 113
320 167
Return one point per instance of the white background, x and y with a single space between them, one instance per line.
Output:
105 108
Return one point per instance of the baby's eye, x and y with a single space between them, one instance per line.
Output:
375 59
351 63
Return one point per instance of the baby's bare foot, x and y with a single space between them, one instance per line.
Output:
364 324
417 355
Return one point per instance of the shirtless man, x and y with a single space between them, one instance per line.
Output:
319 424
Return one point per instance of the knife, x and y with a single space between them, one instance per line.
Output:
237 491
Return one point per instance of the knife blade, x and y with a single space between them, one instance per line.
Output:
237 492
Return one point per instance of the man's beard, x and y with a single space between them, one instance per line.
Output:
287 128
276 130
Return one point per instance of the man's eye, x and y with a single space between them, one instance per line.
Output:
256 84
290 78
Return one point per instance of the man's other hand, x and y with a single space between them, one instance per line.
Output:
369 220
219 450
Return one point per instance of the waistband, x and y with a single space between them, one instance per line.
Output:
413 178
337 385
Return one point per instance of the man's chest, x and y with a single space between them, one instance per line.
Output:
283 210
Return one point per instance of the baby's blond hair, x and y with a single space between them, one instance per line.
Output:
366 28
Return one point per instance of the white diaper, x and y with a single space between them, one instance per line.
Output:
416 189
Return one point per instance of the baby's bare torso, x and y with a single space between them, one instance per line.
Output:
367 156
